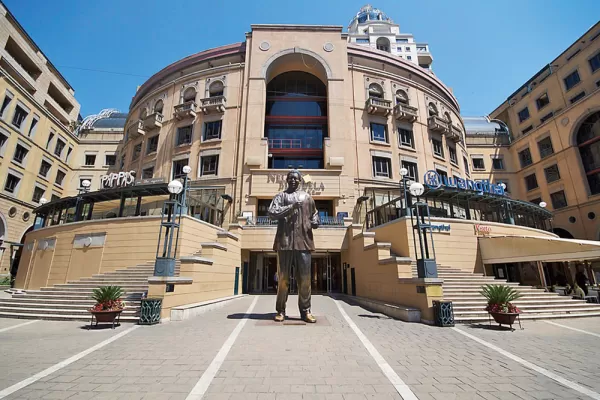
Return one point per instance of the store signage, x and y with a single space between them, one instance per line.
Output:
442 228
149 181
307 185
433 180
117 179
482 229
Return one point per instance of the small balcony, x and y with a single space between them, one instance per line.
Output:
185 110
153 121
455 134
404 112
136 128
438 124
378 106
423 54
214 104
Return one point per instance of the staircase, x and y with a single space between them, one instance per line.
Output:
72 300
463 288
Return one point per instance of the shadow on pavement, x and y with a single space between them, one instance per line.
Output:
251 316
492 327
101 326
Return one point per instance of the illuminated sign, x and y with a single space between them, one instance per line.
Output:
442 228
117 179
433 180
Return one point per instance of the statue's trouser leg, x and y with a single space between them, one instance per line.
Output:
284 266
302 262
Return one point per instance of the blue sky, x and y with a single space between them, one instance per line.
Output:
482 49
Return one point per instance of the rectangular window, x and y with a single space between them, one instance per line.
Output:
524 114
577 97
54 197
466 162
378 132
69 151
595 62
32 127
478 163
44 169
178 168
409 57
19 116
148 173
3 140
212 130
542 101
60 177
442 174
527 130
122 162
559 200
545 146
362 40
547 117
60 146
531 182
406 138
438 149
38 193
525 158
382 167
407 48
452 153
536 201
5 103
152 146
184 135
110 160
209 165
411 167
400 40
49 142
90 160
571 80
12 182
552 173
497 163
137 150
20 154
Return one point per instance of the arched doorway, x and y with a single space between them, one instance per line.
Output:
588 141
563 233
296 120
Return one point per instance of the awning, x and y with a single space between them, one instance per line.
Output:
510 249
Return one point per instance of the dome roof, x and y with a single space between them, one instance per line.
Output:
368 13
109 118
484 126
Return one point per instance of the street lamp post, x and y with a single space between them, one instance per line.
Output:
405 180
85 187
426 263
186 170
170 221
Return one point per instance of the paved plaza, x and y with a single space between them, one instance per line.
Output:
236 352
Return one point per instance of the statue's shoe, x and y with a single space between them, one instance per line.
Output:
279 317
309 318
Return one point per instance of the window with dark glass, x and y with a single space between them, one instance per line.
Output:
527 130
552 173
148 173
525 158
571 80
19 116
438 149
536 201
152 145
20 154
531 182
295 163
500 181
5 103
547 117
216 89
110 159
34 123
542 101
69 151
406 137
11 184
595 62
90 160
178 167
44 168
212 130
38 193
375 91
60 177
209 165
60 146
559 200
184 135
588 141
378 132
545 146
3 140
523 114
466 162
137 150
49 141
497 163
382 167
54 197
442 173
478 163
453 156
413 172
577 97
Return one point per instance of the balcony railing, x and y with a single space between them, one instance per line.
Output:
307 144
455 134
267 221
185 110
379 106
213 104
137 128
404 112
438 124
153 120
488 140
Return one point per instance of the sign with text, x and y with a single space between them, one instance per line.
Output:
307 183
434 180
117 179
440 228
482 229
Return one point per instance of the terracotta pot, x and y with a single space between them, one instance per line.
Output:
106 316
505 318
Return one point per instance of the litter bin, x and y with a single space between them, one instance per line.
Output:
443 313
150 311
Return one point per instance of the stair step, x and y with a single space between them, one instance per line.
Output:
520 303
79 304
61 317
56 311
530 307
79 290
69 295
86 285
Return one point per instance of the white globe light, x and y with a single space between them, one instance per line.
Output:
417 189
187 169
543 204
86 183
175 187
43 200
503 185
403 171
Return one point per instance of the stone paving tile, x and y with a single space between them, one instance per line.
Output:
8 322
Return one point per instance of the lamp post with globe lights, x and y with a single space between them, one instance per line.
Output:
405 180
421 223
508 214
170 222
85 187
543 204
186 170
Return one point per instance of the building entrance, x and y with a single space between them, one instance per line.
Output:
326 273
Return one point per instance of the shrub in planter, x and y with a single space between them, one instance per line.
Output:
499 299
108 303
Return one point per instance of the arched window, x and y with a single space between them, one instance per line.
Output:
158 107
215 89
401 97
189 94
432 109
447 116
588 141
375 91
143 113
383 44
563 233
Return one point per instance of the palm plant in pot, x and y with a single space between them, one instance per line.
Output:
499 305
108 303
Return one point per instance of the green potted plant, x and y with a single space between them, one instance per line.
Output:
108 303
499 305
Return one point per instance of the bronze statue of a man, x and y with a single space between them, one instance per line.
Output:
296 216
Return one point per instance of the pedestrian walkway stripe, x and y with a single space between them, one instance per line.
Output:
573 329
208 375
401 387
26 382
565 382
18 326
